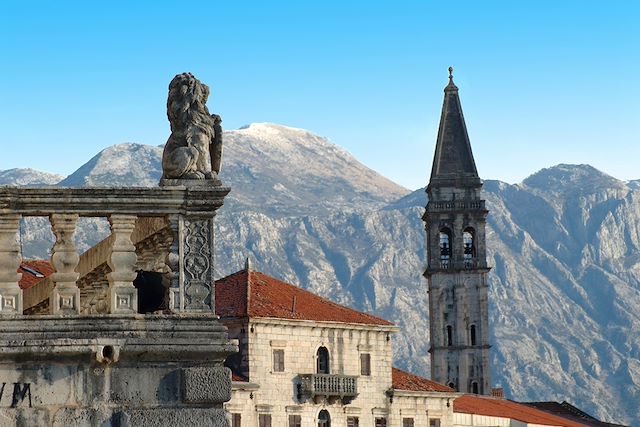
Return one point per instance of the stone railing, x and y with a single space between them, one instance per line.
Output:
449 264
454 205
328 385
188 211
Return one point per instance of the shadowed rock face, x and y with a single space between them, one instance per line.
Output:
564 245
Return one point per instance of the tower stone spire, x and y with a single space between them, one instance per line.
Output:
453 160
456 271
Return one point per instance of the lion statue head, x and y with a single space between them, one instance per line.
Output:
194 148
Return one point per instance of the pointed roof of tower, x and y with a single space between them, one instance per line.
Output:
453 162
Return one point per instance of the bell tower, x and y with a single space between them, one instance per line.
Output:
457 269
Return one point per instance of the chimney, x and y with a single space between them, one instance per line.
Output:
497 392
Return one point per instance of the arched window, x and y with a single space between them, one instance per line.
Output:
449 335
472 334
474 387
469 250
445 248
322 360
324 420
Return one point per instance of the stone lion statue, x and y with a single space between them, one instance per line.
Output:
194 148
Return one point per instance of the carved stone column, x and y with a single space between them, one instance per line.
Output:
65 298
191 262
10 258
174 262
123 296
197 234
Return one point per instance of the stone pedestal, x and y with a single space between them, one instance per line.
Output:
114 370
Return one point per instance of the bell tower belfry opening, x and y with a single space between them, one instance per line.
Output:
457 269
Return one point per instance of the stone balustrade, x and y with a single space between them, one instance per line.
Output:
455 205
313 386
188 210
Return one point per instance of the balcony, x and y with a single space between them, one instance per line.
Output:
327 386
456 205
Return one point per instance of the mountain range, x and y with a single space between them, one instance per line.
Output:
564 246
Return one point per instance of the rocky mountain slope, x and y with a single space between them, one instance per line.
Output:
565 246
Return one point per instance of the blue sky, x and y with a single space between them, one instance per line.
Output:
541 82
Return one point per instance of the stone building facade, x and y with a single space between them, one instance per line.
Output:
304 361
456 258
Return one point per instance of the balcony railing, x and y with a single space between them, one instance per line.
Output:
454 205
328 386
454 265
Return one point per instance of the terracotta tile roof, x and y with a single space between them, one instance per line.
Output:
567 410
402 380
255 295
479 405
29 279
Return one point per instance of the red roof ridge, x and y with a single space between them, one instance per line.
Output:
402 380
504 408
267 297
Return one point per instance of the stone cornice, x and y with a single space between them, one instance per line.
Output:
320 324
99 201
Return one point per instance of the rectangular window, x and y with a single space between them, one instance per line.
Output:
434 422
381 422
295 421
236 420
353 422
264 420
365 364
278 360
407 422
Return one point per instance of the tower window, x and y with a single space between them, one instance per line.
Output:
472 333
469 249
445 248
323 360
449 335
474 387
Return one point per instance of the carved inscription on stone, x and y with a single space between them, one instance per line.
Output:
20 396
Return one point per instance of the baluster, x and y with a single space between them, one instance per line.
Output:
10 258
123 296
65 297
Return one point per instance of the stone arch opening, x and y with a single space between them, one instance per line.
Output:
324 419
445 247
469 246
322 360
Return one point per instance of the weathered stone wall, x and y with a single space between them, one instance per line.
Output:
111 370
422 407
